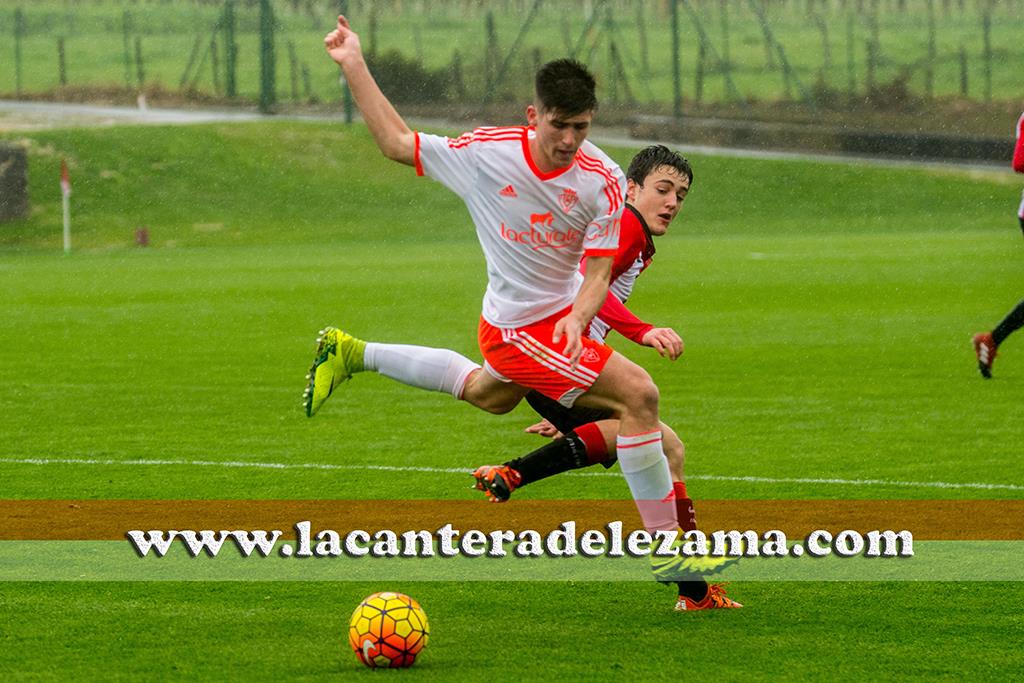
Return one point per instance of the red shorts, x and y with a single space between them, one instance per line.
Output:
528 357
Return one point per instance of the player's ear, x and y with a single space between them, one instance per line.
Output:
532 114
631 189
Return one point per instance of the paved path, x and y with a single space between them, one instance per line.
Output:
18 115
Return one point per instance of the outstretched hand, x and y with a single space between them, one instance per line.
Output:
665 341
544 428
342 43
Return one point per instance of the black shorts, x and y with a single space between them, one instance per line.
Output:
565 419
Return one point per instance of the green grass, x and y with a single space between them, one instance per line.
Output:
431 33
582 630
826 308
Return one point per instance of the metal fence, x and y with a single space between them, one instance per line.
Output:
659 56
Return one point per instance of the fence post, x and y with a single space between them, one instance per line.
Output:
677 78
645 64
372 51
230 51
268 96
19 29
346 92
140 69
293 70
490 58
126 27
963 71
698 91
869 80
612 76
215 64
724 21
929 74
986 28
851 72
62 67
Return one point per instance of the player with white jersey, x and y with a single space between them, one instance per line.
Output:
541 198
659 180
986 343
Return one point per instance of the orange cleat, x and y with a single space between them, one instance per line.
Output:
985 350
715 599
497 481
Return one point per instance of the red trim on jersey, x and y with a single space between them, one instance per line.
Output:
633 242
416 156
611 187
533 166
599 253
1018 150
509 133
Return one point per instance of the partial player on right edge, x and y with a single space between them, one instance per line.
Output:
986 344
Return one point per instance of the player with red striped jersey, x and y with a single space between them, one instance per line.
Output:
541 198
986 343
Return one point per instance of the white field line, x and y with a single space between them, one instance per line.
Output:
455 470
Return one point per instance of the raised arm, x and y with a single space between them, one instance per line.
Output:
393 137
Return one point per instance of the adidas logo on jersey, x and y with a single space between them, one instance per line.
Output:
508 191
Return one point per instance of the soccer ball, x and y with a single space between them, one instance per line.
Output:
388 630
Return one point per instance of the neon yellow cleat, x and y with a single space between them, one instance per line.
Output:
338 356
682 567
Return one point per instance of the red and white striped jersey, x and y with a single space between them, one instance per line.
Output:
534 227
1018 158
635 252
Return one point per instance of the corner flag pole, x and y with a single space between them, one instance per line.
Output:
65 191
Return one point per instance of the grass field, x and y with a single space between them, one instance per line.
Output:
826 43
827 310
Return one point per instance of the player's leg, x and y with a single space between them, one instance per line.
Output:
986 344
340 355
626 388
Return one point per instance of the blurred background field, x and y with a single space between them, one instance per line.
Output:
938 64
827 309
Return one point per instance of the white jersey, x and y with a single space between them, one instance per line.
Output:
534 227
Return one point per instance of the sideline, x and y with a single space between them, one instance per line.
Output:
453 470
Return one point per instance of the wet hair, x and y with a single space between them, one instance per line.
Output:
567 87
651 158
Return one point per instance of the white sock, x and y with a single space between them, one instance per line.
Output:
420 366
644 465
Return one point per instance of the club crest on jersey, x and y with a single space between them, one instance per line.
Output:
590 356
568 199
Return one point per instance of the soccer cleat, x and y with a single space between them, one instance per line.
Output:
715 599
497 481
681 567
985 350
338 356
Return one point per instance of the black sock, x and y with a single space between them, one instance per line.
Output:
695 590
1010 324
561 455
